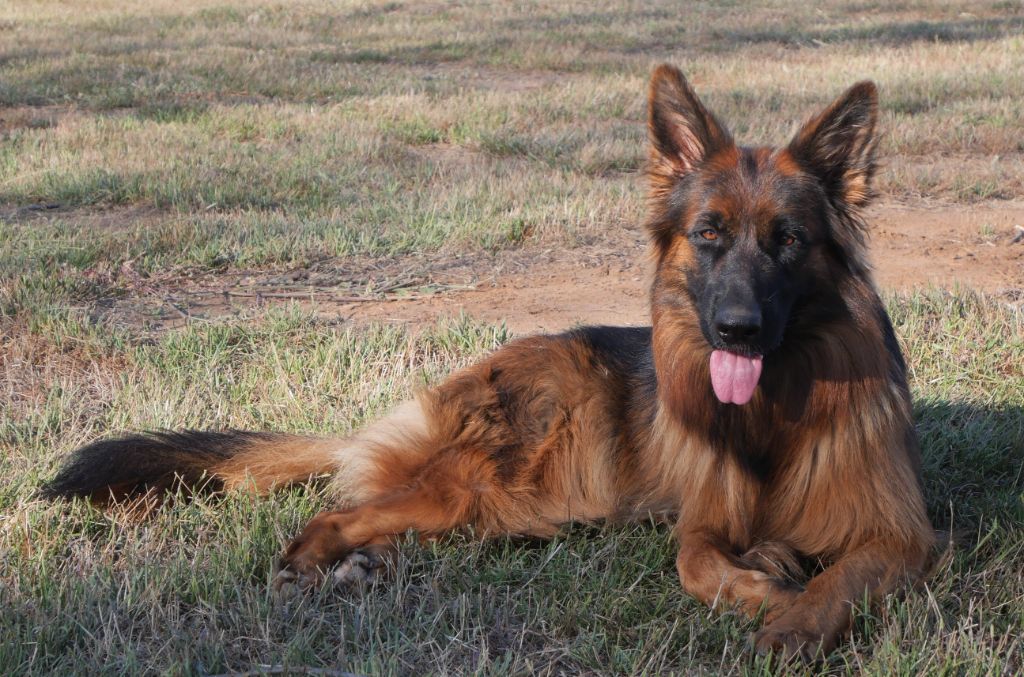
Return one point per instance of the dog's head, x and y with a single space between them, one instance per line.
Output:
742 235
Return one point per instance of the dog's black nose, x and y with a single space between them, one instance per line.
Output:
738 325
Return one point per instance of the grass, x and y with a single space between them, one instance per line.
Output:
186 592
151 138
280 134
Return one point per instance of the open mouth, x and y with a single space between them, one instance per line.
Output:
734 376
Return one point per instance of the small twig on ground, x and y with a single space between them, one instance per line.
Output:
292 295
286 670
321 296
179 311
399 283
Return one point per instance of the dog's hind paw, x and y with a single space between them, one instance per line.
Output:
287 582
358 568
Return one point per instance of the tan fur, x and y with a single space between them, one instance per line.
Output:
272 464
358 460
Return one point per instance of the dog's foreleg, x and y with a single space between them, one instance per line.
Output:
814 623
715 577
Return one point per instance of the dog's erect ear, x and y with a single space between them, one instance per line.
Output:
838 146
683 132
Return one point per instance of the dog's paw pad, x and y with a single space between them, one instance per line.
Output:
359 568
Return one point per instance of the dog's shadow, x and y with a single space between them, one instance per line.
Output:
973 464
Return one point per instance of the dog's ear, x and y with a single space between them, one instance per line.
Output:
838 146
683 133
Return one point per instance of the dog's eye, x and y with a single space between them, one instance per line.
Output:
709 234
787 239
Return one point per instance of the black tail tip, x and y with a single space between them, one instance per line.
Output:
143 463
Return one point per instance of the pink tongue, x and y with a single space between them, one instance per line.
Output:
733 376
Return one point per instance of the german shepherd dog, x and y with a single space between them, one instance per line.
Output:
767 406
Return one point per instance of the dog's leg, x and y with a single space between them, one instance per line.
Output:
711 575
364 536
456 489
813 625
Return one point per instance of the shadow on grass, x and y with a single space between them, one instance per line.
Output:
895 34
624 32
973 460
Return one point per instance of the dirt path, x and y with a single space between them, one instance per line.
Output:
535 289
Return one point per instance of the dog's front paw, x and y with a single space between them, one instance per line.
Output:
781 598
787 642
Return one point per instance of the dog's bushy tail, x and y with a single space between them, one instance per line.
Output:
154 462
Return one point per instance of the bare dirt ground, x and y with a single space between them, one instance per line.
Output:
546 289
